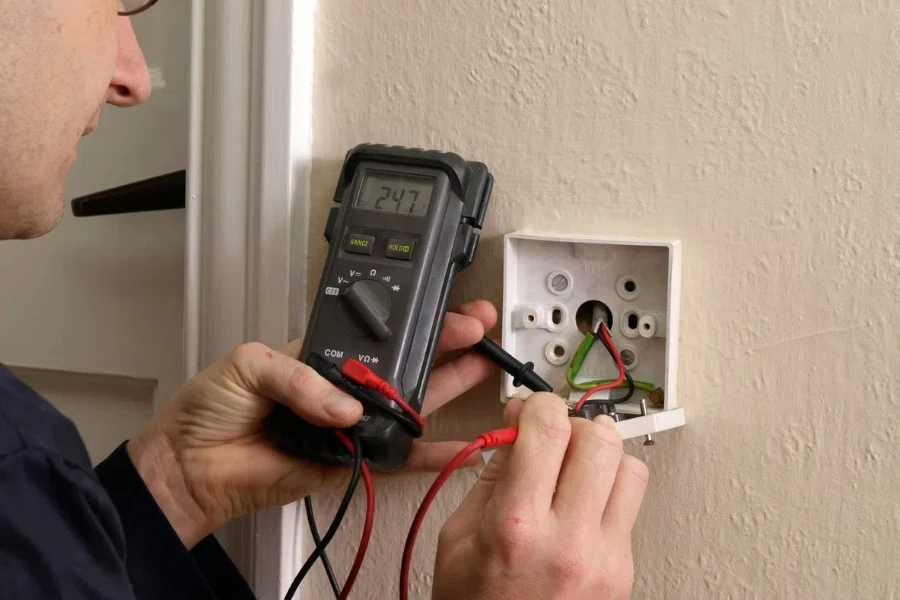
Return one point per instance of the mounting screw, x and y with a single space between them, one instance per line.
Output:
648 439
560 283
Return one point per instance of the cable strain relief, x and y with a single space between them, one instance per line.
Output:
499 437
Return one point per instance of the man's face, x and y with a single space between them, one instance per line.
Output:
60 62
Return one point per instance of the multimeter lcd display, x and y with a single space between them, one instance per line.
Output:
402 194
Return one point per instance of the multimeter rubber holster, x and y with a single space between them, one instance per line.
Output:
406 223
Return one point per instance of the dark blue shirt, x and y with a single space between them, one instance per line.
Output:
68 531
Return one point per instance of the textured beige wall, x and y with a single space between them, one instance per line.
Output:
764 135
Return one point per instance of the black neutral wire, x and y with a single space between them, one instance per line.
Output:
612 401
314 532
338 517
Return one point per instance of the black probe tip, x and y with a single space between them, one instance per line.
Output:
523 374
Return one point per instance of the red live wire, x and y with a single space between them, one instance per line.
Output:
491 439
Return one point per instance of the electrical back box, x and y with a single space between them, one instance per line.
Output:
555 286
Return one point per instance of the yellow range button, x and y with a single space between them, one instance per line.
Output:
359 244
400 249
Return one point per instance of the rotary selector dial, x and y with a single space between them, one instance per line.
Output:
364 308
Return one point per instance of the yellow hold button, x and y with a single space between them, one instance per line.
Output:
400 249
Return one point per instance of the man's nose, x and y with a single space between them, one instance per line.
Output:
130 84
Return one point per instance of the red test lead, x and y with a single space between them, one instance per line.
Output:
491 439
366 377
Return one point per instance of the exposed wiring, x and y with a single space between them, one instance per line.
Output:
355 448
645 386
613 401
578 360
314 532
579 357
611 346
491 439
607 343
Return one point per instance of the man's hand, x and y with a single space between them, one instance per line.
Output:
550 517
204 456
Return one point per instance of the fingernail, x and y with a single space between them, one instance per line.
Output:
605 420
340 405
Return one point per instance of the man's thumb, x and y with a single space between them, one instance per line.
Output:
268 373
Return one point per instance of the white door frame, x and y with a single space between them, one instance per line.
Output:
248 212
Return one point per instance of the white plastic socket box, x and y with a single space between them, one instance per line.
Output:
556 286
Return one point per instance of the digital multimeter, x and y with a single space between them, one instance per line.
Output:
408 221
